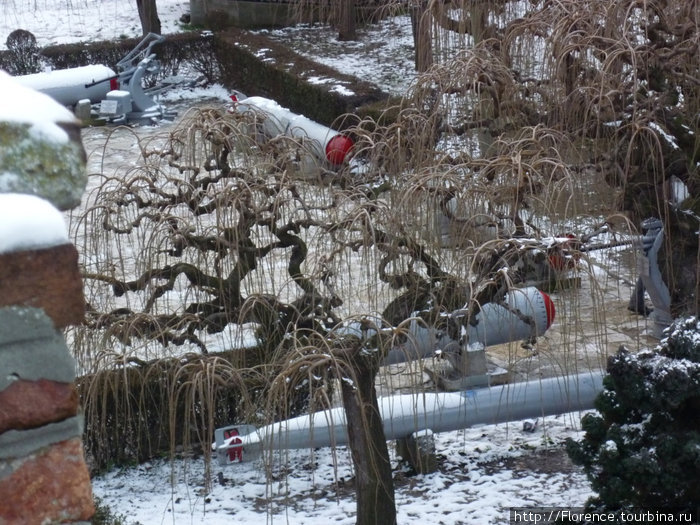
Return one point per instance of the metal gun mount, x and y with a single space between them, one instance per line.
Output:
650 279
120 96
522 314
132 101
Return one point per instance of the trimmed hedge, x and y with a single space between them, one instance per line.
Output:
256 65
194 49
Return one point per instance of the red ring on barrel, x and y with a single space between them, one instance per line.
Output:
549 308
337 149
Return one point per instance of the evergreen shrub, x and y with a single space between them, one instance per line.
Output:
642 450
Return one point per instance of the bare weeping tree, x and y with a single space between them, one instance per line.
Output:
222 240
624 78
219 240
619 79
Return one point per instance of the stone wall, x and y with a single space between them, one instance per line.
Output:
43 475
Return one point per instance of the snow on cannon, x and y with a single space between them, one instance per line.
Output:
326 143
121 95
69 86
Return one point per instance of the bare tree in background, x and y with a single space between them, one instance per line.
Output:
148 13
619 76
346 22
422 35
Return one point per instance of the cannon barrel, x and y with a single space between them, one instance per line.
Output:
406 414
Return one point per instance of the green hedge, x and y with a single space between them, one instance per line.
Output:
257 66
194 49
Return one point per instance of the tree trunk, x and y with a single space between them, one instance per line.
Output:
148 13
374 483
478 15
346 21
422 39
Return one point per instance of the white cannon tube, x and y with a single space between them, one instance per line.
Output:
494 324
68 86
409 413
327 143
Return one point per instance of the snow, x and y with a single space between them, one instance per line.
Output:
216 91
386 62
342 90
664 134
609 446
482 471
59 22
66 77
28 222
25 106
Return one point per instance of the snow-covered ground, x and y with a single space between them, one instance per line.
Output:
482 471
386 61
66 21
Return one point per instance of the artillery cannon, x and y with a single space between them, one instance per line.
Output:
119 96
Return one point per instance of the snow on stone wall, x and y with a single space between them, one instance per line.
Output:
43 474
40 148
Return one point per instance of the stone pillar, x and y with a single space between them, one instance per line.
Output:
419 450
43 475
